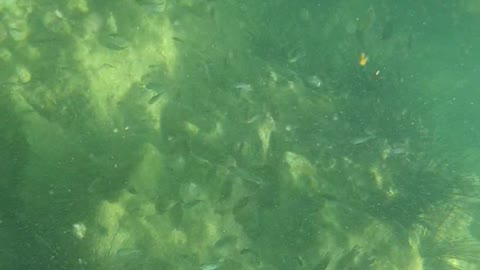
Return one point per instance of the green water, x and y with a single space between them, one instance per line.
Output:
208 134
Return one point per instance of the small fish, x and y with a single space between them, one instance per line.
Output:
248 177
191 204
250 255
241 204
177 39
300 261
154 85
313 81
211 266
252 119
152 7
387 30
226 241
295 54
125 258
363 59
155 98
399 150
114 42
244 87
128 253
364 139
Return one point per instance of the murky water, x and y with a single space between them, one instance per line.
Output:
159 134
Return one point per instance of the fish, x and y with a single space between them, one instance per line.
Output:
399 150
248 177
128 253
114 42
387 30
363 59
211 266
313 81
177 39
125 258
244 87
295 54
152 7
154 85
191 204
363 139
155 98
227 241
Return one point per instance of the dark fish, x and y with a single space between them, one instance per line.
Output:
387 30
175 214
226 189
241 204
323 262
125 258
346 260
300 261
248 177
155 98
250 256
114 42
177 39
227 241
154 85
190 204
152 6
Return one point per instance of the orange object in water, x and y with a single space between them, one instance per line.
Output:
363 59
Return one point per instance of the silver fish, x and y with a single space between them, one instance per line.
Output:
364 139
